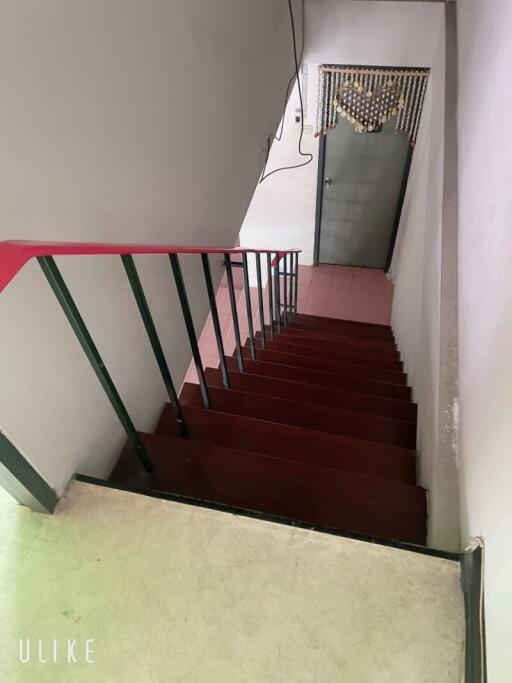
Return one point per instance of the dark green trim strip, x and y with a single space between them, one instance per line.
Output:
23 472
471 577
63 295
276 519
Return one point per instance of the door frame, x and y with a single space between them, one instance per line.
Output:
320 195
319 198
399 206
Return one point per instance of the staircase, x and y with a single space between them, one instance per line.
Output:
320 429
311 419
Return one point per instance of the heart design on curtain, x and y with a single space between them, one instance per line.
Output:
368 109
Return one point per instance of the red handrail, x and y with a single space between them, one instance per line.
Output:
14 254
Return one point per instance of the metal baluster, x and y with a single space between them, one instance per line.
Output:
56 282
285 292
289 258
215 320
270 296
277 297
260 301
189 324
248 306
234 313
296 282
147 319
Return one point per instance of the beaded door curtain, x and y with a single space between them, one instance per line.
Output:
367 97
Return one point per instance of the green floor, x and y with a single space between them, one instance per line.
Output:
171 593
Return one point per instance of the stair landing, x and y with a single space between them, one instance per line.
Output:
174 592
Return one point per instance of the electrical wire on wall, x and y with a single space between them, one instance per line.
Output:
296 77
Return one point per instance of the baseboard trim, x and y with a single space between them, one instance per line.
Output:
22 481
472 566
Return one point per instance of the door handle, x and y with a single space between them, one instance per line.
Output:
327 183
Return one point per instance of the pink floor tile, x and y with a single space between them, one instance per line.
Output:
303 290
305 274
343 272
347 293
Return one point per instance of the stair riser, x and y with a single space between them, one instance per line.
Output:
317 320
319 418
383 389
353 357
340 500
289 337
326 365
344 330
333 337
326 396
293 443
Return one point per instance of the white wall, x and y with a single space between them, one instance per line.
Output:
485 305
121 121
282 210
424 308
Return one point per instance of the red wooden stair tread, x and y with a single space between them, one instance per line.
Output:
297 490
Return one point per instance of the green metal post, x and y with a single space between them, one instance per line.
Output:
189 324
52 273
147 319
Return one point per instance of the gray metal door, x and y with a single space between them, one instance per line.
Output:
363 176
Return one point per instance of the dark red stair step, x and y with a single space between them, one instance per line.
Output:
347 345
307 415
328 335
346 332
354 357
342 500
342 328
312 393
293 443
375 328
328 379
328 365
